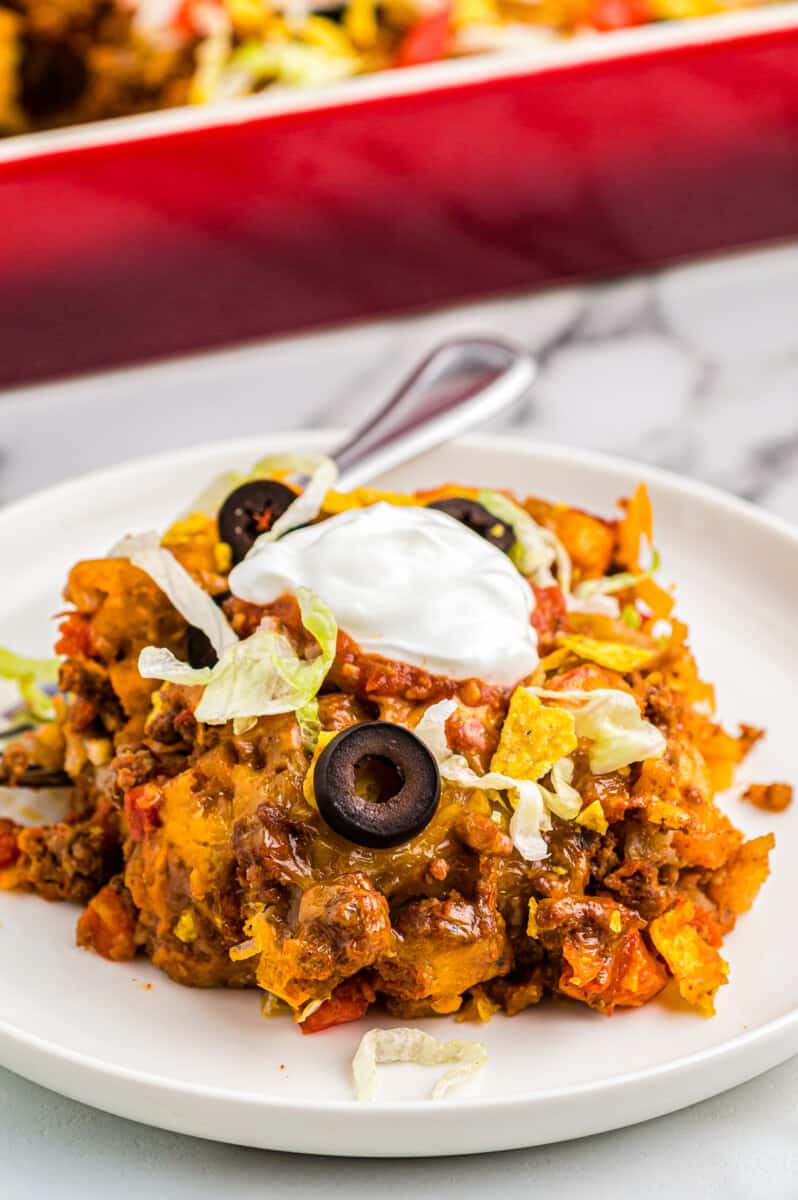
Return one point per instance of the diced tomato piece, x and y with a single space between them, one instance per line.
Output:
349 1002
76 636
142 804
426 40
549 613
618 14
188 17
9 850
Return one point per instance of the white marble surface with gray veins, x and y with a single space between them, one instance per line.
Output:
695 369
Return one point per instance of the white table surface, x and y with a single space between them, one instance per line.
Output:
695 369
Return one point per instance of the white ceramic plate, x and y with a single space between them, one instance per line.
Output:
124 1038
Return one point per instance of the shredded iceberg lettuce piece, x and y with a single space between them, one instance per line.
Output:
536 549
605 606
304 509
531 802
320 471
145 551
214 494
612 721
28 674
307 717
258 676
414 1046
294 63
562 799
609 584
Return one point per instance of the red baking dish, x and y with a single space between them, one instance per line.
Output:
198 227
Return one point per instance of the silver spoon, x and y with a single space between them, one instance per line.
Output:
462 383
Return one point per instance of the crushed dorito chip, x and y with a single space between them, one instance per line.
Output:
772 797
617 656
734 887
697 967
662 812
533 737
593 818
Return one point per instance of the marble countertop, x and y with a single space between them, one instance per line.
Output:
694 369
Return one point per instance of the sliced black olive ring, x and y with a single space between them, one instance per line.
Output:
251 510
377 784
41 777
476 517
199 651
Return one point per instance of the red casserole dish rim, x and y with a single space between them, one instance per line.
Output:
462 73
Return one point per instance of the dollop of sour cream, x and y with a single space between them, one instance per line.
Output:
407 583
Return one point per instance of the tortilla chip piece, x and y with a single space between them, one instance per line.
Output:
662 812
533 737
636 524
629 975
593 818
734 887
772 797
618 656
697 967
658 600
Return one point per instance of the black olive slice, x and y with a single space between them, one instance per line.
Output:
41 777
250 511
377 784
199 651
475 516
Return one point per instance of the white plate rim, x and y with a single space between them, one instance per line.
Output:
740 1049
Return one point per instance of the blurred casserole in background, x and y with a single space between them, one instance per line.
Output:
64 62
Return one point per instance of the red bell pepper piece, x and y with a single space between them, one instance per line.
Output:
426 40
607 15
142 804
349 1002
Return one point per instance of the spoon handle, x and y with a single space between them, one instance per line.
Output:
460 384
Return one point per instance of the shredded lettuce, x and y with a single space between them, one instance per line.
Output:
293 63
564 801
536 549
28 674
414 1046
612 721
609 584
320 471
258 676
531 802
224 72
307 717
280 466
145 551
306 506
605 606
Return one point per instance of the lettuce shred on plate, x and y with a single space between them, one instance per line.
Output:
260 802
84 60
